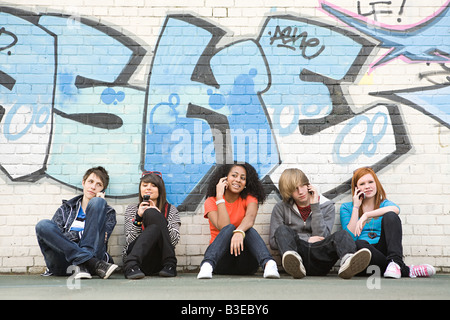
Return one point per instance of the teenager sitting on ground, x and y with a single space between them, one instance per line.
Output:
231 207
79 231
300 228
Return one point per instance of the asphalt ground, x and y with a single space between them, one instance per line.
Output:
186 287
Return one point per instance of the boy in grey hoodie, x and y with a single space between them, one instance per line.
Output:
300 229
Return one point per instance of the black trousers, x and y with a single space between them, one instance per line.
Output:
319 257
153 249
389 248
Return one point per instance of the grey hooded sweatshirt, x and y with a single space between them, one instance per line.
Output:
319 223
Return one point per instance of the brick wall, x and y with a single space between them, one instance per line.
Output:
326 86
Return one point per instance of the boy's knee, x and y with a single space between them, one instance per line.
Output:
282 230
43 226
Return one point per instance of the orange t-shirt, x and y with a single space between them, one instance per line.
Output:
236 211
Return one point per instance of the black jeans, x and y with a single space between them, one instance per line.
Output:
153 249
319 257
389 247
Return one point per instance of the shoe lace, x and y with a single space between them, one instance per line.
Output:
418 271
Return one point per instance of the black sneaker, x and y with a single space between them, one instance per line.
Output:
104 269
134 273
82 272
168 271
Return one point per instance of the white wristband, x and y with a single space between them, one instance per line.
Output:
220 201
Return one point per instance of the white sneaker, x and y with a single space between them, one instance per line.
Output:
355 263
293 264
393 271
271 270
205 271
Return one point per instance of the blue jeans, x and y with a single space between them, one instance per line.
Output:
255 253
60 252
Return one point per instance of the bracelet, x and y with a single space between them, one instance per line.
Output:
137 223
220 201
239 231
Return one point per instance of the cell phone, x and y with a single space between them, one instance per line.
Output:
310 192
146 197
362 196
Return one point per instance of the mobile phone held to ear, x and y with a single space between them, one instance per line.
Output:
146 197
362 196
309 191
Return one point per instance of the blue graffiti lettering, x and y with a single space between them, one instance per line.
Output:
368 146
39 117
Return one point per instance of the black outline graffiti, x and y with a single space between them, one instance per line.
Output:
99 120
108 121
34 19
7 81
402 146
219 123
2 113
341 109
393 95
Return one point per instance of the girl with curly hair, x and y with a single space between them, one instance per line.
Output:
233 195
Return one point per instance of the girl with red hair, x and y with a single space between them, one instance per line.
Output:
373 222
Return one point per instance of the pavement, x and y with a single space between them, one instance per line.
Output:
186 287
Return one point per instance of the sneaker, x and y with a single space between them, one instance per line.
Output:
355 263
205 271
81 272
293 264
393 271
168 271
104 269
271 270
134 273
47 273
423 270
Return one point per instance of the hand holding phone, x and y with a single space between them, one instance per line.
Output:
358 197
313 193
221 186
101 195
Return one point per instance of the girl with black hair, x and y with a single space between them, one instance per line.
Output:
152 230
233 195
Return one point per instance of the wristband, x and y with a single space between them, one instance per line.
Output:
220 201
239 231
138 218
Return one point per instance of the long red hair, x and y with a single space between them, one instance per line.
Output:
380 196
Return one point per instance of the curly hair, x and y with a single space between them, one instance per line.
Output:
253 185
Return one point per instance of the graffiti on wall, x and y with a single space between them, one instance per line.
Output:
66 102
